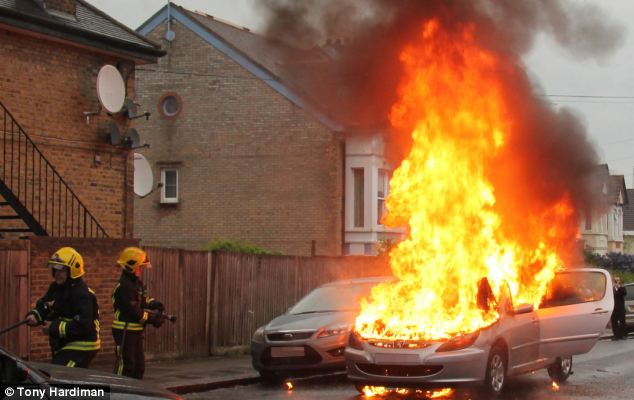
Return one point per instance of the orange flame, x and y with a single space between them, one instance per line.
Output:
555 386
289 385
371 391
460 113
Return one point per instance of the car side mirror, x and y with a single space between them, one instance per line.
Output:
523 309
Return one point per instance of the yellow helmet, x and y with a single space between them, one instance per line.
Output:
133 258
70 258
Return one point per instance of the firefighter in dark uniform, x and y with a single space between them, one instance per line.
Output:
68 312
133 309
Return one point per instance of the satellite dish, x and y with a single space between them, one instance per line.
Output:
110 89
170 35
143 178
132 138
113 134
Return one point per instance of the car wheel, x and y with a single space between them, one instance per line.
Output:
269 378
561 369
359 387
496 371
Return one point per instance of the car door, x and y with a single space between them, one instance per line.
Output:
629 306
574 312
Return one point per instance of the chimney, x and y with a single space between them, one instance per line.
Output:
65 6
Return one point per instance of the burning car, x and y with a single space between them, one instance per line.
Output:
312 335
569 321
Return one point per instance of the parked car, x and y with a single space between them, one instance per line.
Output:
629 306
569 321
313 334
15 371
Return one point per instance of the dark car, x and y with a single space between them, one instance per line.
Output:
15 371
629 306
312 335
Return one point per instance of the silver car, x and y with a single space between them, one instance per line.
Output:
313 334
569 321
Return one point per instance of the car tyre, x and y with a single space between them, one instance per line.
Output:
496 371
561 369
359 387
270 378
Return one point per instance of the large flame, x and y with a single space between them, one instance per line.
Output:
457 103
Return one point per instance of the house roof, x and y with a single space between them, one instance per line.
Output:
628 213
90 27
617 190
308 77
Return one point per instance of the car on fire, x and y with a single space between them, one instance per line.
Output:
14 371
569 321
312 335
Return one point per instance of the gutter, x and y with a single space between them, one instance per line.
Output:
58 30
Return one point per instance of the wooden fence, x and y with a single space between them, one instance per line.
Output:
222 298
14 295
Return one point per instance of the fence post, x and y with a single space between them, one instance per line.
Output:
208 290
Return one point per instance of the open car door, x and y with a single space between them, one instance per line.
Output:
574 311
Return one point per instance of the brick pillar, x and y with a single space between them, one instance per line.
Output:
67 6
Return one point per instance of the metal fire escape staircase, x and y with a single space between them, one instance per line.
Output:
35 198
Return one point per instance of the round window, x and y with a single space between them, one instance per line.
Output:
170 105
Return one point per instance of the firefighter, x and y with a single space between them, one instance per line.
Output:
68 312
133 309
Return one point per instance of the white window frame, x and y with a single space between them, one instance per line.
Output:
164 198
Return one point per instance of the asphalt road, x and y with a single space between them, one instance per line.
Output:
607 372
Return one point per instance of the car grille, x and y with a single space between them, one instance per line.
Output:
400 370
287 336
310 357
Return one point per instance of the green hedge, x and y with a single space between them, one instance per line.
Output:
239 247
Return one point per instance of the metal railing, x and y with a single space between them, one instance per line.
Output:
36 191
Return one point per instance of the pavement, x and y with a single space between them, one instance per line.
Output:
203 374
198 374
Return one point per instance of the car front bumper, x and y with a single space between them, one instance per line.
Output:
323 354
416 368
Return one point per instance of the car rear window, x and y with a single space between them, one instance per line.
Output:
333 298
574 288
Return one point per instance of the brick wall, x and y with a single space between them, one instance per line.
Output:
48 86
253 166
99 256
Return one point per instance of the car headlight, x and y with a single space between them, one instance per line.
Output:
334 331
355 341
459 342
258 335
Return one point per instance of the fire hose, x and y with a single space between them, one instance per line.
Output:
162 315
12 327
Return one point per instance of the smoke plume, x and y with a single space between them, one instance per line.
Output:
374 32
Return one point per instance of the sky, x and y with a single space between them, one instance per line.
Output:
600 92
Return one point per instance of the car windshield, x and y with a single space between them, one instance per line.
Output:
333 298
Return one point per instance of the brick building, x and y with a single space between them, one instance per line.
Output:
59 176
52 51
245 150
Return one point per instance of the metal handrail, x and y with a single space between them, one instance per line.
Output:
47 204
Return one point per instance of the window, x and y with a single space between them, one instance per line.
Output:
359 193
170 105
588 219
573 288
381 194
169 189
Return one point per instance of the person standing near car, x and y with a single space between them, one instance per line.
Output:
68 312
133 309
618 315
